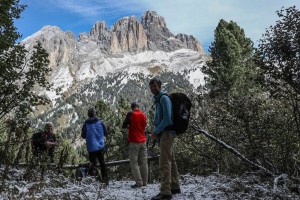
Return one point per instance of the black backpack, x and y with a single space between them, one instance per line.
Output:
181 111
37 142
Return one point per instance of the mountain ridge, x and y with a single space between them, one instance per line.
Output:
108 64
128 44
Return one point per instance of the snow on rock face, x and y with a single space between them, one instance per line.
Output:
88 62
183 61
75 63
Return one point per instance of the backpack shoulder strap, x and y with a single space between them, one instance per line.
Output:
164 94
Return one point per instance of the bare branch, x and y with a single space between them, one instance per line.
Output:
231 150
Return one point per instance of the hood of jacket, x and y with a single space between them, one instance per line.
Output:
91 120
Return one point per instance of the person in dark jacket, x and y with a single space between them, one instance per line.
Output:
93 131
135 121
45 142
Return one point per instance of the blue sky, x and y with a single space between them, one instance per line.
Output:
193 17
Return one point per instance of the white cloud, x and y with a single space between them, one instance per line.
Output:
200 18
192 17
104 9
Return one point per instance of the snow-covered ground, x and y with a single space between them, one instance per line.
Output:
23 184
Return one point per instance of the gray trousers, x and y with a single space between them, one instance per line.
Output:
138 162
167 164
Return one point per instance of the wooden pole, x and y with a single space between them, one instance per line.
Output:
108 164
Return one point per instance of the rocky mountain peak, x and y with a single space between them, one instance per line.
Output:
124 22
151 18
98 28
155 27
59 44
160 37
128 45
190 42
47 31
127 34
71 35
101 35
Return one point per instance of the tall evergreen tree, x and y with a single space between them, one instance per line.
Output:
20 70
231 69
9 10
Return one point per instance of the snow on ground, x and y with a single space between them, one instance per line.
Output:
28 184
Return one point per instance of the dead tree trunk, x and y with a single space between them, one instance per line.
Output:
231 150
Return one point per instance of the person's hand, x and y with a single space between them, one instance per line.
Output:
153 135
50 144
47 144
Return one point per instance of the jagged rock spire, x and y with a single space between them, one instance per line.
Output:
127 34
130 35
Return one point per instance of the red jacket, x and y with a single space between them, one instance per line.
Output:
136 122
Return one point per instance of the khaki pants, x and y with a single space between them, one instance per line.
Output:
167 164
138 162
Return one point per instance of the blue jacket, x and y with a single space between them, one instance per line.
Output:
163 113
94 131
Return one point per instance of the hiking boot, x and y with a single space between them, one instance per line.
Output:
136 186
162 197
175 191
105 180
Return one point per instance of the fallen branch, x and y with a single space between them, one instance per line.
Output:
232 150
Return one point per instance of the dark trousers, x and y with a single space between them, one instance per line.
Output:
100 156
43 152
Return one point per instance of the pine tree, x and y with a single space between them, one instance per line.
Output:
20 70
231 70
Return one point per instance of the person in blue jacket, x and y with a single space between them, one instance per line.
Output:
94 131
165 133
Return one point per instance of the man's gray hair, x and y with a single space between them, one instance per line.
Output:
48 124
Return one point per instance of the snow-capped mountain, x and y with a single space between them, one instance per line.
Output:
109 63
130 46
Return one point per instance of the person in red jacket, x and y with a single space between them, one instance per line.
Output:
136 122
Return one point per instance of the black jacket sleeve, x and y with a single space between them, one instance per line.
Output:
83 131
53 138
127 120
